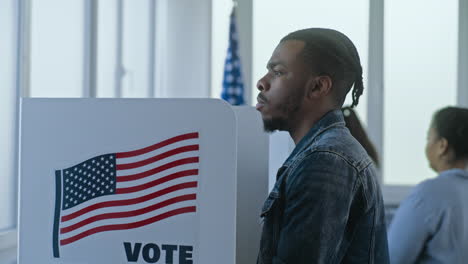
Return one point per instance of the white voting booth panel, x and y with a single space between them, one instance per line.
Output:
252 181
281 145
128 181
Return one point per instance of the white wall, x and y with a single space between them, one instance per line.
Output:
8 65
281 146
57 48
183 43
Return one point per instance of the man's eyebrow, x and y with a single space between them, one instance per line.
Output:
272 64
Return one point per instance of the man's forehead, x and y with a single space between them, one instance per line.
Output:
286 52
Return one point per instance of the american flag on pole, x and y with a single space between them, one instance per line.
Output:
233 86
126 190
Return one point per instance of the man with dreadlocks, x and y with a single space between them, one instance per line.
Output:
326 205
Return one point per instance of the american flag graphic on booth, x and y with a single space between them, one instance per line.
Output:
126 190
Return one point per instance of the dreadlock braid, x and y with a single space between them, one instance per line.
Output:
358 88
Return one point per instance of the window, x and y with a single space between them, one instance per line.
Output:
107 38
420 77
57 48
125 48
136 54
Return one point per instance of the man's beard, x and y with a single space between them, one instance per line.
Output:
278 123
289 110
282 123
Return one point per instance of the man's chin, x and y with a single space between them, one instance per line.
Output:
272 124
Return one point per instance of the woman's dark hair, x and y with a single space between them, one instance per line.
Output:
451 123
358 132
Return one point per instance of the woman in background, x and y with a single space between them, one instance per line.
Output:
431 225
358 132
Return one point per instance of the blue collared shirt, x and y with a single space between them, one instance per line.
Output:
431 225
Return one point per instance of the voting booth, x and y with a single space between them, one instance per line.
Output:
140 181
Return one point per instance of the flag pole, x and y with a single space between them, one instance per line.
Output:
58 197
234 7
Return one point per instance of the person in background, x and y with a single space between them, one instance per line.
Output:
431 225
357 131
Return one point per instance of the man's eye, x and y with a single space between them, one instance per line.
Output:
277 73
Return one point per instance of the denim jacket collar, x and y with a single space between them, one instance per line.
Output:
330 119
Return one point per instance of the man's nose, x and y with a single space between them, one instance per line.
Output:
262 84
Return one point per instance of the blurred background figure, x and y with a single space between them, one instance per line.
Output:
357 130
431 225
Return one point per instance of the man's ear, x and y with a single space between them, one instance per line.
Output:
318 86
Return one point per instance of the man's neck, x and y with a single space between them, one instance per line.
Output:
303 124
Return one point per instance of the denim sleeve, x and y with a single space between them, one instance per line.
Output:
411 226
317 202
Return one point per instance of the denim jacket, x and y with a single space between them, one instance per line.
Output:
326 205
